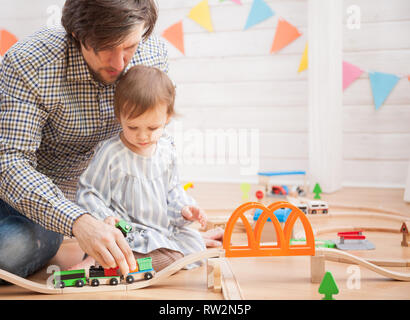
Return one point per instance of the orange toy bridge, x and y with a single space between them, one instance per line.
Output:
283 246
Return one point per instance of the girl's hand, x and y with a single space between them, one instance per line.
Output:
192 213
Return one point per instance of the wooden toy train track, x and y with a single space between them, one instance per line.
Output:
220 275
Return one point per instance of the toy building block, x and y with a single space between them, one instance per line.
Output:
214 274
245 188
353 240
317 267
188 185
328 287
405 232
317 191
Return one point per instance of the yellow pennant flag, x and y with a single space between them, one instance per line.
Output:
201 15
304 62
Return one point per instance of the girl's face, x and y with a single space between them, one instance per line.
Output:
141 134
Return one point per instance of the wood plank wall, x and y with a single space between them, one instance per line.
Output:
228 80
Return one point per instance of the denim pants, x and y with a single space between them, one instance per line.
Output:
25 246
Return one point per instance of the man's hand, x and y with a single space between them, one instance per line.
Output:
192 213
104 243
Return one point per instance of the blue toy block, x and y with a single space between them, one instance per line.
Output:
281 214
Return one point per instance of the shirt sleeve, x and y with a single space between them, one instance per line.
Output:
22 117
177 196
94 186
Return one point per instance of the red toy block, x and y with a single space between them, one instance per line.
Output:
353 237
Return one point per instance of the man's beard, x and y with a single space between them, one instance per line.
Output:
98 77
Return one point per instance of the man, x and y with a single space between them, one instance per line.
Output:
56 97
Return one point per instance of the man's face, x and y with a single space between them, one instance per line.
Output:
107 65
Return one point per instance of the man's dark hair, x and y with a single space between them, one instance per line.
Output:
104 24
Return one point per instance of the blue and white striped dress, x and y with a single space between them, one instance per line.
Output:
145 191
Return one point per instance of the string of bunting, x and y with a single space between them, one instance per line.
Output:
382 84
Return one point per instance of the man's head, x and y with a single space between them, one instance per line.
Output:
108 32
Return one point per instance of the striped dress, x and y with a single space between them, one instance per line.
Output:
145 191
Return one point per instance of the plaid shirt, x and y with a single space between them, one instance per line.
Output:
53 113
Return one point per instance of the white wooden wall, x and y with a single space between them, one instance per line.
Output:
228 80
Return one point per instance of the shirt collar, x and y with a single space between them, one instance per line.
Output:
77 69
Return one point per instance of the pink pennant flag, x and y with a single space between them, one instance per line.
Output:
237 1
350 74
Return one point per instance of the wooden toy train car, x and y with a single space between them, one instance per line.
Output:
99 275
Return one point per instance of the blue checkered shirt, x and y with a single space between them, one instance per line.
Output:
53 114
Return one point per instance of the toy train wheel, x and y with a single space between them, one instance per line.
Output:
60 285
95 282
113 281
148 276
129 279
79 283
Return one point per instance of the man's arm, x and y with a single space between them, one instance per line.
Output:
22 117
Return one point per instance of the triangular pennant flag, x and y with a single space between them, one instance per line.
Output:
350 73
175 35
7 39
260 11
236 1
382 84
408 78
285 34
201 15
304 61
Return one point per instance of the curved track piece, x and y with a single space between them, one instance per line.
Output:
27 284
333 254
176 266
163 274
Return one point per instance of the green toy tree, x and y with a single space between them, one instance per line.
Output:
328 287
245 188
317 191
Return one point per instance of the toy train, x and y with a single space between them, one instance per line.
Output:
99 275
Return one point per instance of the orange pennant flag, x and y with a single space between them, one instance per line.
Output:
7 39
175 35
285 34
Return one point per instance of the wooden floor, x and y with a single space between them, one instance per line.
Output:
273 277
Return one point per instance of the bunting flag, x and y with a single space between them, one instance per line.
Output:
201 15
304 61
236 1
382 84
350 73
260 11
7 39
285 34
175 35
408 77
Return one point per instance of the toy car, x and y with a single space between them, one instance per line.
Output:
317 207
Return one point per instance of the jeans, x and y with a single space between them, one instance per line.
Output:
25 246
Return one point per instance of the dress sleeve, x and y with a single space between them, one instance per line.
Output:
177 196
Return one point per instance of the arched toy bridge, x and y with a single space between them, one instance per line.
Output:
283 246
